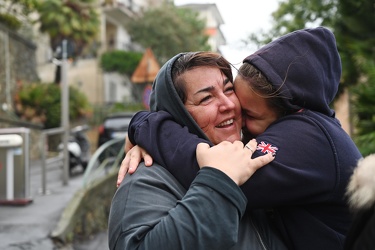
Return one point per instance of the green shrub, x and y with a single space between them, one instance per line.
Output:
10 21
41 103
120 61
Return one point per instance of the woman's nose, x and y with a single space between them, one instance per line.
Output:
226 104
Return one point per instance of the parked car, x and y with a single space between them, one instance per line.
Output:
114 126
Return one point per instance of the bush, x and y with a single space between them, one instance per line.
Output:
41 103
120 61
10 21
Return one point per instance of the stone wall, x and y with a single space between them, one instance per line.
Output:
17 66
17 63
87 213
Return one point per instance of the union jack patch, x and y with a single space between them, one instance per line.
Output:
267 148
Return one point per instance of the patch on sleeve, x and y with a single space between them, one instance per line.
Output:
266 148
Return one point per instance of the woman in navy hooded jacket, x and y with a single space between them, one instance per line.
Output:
285 89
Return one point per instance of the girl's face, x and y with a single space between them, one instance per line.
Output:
257 115
212 103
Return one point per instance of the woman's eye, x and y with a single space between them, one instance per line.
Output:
204 99
246 116
249 117
229 89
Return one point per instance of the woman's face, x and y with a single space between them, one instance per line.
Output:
257 115
212 103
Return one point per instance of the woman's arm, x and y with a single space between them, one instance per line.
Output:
151 210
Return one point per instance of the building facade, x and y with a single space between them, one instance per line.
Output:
213 19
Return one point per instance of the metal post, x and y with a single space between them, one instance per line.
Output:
10 175
43 153
7 70
65 110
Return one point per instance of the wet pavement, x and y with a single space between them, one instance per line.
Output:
27 227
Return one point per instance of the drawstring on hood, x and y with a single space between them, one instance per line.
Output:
304 65
164 97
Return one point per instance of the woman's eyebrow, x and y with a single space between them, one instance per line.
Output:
207 89
211 88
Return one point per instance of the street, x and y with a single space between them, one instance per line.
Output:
29 226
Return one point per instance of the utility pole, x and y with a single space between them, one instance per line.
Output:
65 109
7 71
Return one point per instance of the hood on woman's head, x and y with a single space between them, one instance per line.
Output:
305 65
165 97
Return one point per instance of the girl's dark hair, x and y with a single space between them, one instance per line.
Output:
192 60
264 88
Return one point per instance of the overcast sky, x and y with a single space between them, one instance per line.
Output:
241 17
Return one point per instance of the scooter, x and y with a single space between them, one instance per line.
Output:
78 148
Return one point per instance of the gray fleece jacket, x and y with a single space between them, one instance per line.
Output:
151 210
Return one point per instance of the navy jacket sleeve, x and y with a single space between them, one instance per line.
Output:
151 210
168 143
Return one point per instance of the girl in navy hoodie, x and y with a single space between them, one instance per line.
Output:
285 90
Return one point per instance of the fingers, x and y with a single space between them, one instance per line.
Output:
233 159
122 171
131 161
148 159
135 155
128 144
201 147
137 158
220 155
251 146
129 164
260 161
202 153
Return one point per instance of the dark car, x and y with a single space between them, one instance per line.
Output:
114 126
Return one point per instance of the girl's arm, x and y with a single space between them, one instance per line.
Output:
169 144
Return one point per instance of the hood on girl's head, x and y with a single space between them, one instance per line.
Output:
305 65
164 97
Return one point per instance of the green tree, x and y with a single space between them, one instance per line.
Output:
355 32
296 14
356 39
15 13
168 30
75 21
363 103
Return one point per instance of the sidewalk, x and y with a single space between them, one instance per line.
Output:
28 226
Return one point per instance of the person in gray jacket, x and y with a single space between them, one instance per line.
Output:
152 210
